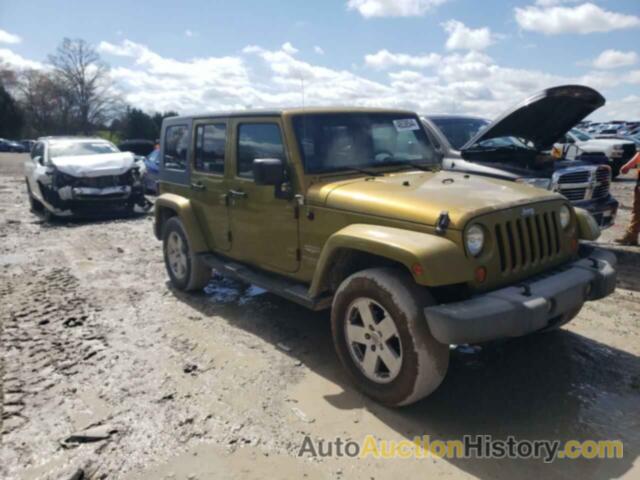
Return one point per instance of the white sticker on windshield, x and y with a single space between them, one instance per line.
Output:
406 124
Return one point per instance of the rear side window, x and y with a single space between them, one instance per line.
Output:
210 146
176 142
257 140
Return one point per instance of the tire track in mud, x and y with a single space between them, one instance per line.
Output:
49 335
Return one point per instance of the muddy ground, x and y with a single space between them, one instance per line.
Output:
227 383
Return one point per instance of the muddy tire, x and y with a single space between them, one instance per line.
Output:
186 271
382 338
34 204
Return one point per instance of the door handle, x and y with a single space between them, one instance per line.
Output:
238 194
198 186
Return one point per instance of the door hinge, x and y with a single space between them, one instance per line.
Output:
229 237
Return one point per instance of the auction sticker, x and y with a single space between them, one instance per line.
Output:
406 124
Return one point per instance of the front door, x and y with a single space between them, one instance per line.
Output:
264 228
208 183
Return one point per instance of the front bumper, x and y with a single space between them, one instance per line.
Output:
535 304
604 211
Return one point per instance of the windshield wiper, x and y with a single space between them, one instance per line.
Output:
414 164
365 171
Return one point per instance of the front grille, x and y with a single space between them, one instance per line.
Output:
581 176
528 242
583 183
104 182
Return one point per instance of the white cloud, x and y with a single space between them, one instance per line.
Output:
466 82
318 50
385 59
6 37
393 8
16 61
288 48
551 3
582 19
462 37
615 59
189 33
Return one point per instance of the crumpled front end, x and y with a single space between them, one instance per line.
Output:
94 195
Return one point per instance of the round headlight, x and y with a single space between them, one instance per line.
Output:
474 240
565 216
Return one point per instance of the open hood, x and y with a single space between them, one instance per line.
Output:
544 117
99 165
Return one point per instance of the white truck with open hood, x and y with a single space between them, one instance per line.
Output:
82 176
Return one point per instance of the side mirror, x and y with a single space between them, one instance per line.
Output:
38 159
268 171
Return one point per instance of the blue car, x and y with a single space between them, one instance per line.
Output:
150 175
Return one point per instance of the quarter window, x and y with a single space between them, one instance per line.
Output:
257 140
210 146
176 142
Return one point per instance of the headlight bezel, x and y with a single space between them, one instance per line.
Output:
475 246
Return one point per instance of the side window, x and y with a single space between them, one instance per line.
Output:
37 150
210 145
176 140
257 140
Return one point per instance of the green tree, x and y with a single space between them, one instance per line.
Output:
138 124
11 117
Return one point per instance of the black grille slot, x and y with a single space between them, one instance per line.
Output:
512 246
521 240
556 232
503 261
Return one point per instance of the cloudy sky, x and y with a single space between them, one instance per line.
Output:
433 56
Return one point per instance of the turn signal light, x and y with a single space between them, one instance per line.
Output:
481 274
417 269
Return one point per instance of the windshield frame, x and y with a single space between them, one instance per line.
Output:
377 168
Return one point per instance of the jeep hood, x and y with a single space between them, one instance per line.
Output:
420 197
544 117
99 165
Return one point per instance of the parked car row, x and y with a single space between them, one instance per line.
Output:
15 146
522 145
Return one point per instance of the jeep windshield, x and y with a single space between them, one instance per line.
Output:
362 141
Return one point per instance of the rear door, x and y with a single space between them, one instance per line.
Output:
264 228
208 182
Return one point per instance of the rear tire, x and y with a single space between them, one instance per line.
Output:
186 271
382 338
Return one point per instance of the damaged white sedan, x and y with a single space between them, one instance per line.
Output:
82 176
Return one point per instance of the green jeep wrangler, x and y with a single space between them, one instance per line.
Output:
348 209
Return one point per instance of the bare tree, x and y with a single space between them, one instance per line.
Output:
79 70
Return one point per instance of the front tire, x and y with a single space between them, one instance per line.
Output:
382 338
186 271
